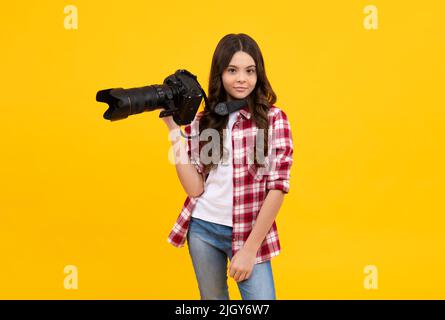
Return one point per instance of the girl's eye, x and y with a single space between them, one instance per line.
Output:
250 71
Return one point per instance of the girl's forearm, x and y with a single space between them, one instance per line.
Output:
264 220
191 180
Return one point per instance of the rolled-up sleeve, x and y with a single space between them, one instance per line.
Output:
278 177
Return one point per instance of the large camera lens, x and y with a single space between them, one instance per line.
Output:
125 102
180 95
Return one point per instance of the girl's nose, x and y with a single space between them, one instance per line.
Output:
241 77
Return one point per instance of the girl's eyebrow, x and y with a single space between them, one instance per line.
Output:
231 65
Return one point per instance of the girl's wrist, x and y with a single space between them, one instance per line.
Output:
170 129
174 133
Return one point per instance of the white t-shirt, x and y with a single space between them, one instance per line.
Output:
216 202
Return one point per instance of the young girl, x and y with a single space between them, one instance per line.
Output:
232 203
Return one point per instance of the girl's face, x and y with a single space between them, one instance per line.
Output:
239 78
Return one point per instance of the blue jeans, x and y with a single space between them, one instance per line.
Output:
209 246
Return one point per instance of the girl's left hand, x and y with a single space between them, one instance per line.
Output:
241 265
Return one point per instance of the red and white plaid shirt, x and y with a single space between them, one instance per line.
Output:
250 184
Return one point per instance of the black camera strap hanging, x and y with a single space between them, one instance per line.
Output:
222 108
225 108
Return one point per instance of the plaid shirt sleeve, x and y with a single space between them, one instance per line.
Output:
282 150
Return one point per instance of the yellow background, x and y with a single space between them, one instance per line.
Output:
366 109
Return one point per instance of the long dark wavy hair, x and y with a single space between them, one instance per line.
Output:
259 100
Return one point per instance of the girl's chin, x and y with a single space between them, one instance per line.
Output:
239 95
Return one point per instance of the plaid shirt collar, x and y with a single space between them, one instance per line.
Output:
245 112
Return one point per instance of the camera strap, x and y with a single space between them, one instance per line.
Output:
222 108
225 108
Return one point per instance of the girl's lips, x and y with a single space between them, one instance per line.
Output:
240 89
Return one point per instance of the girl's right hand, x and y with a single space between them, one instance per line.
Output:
171 124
